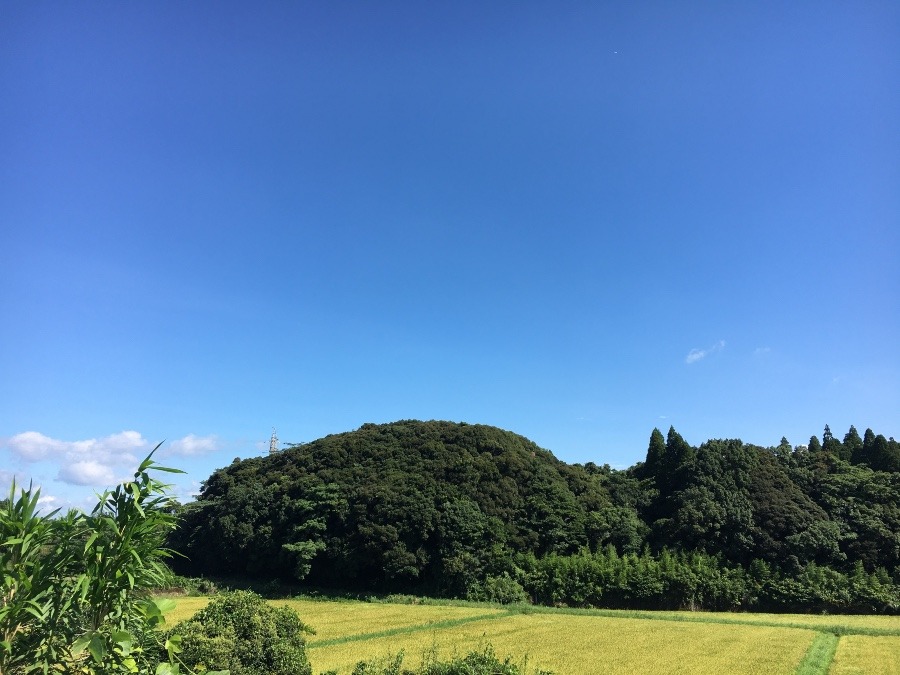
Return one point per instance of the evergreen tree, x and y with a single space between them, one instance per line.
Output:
678 458
865 454
656 453
853 444
885 455
833 446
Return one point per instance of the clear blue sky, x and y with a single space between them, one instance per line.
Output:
576 221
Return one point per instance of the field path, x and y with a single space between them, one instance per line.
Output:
818 658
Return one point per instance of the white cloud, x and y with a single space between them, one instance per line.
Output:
33 446
192 445
696 354
87 472
48 500
98 462
762 351
95 461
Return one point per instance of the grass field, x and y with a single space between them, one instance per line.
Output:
574 642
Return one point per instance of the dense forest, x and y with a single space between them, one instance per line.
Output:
463 510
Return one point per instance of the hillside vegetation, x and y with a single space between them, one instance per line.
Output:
463 510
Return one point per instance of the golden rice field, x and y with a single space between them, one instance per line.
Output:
887 623
585 644
865 655
575 643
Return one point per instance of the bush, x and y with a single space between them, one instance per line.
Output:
503 589
241 632
192 586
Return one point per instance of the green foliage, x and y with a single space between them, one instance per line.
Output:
241 632
698 581
34 556
786 522
502 589
709 506
192 586
75 593
426 506
606 579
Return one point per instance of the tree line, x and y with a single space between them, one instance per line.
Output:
460 510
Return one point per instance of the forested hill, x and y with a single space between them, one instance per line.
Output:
441 507
391 505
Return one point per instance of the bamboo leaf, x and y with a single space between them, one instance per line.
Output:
90 541
168 469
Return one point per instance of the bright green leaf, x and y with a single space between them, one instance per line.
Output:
164 605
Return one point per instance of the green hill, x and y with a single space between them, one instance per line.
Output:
397 505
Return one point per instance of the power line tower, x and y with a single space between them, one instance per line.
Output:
273 443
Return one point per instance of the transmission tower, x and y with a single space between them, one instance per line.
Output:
273 443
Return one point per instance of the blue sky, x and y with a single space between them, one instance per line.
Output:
576 221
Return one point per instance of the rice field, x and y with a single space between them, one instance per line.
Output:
586 644
575 642
866 655
338 620
185 608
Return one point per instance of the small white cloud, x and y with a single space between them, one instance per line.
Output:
762 351
192 445
87 472
697 354
47 501
47 504
694 355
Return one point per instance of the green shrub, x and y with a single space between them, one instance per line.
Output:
241 632
503 589
192 586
